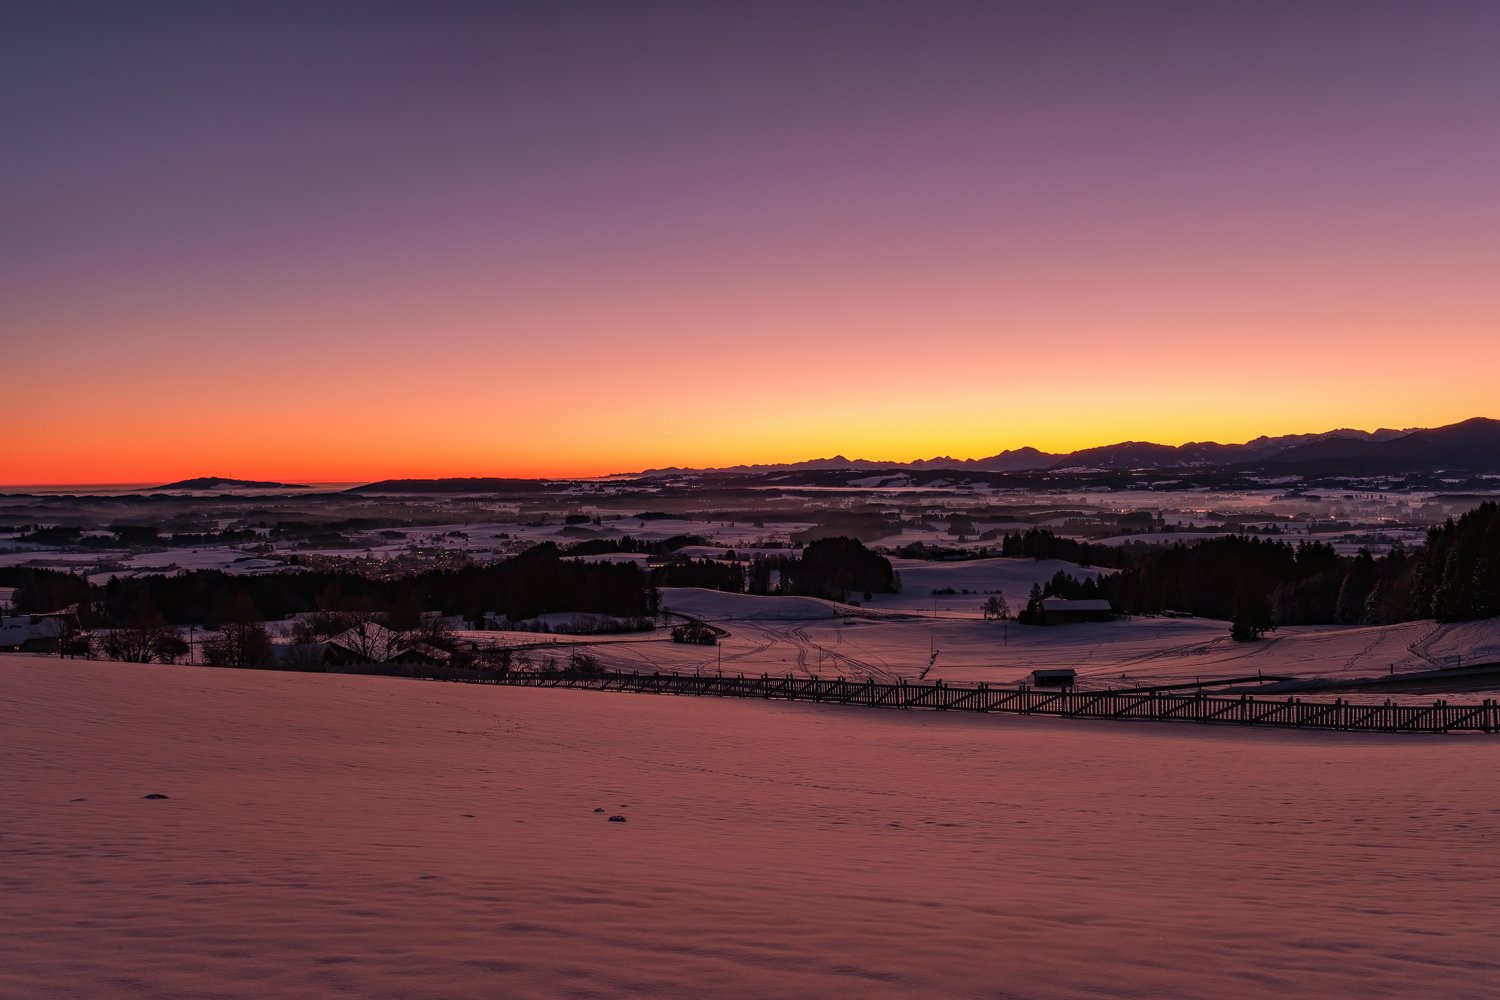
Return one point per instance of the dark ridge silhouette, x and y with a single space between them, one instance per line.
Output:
219 483
1121 456
1200 454
470 485
1017 460
1126 455
1470 446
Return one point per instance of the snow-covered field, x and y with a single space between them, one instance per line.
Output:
496 533
482 541
329 835
800 635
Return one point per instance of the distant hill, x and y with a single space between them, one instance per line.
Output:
216 483
1007 461
471 485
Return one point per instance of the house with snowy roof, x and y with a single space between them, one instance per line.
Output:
1057 611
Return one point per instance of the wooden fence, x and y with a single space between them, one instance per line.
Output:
1145 706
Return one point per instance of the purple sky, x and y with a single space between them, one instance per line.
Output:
1057 225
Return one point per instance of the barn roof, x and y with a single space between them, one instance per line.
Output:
1058 604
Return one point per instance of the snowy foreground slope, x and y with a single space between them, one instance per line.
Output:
332 835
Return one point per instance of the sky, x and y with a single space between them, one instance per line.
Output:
342 242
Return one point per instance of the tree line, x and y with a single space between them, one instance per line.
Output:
534 582
1259 583
607 546
1040 543
1262 583
836 567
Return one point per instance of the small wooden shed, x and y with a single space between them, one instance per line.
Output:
1063 678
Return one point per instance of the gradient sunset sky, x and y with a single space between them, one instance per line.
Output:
337 242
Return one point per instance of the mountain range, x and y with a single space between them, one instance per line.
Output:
1471 446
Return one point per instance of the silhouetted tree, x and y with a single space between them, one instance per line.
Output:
1252 613
237 635
1033 613
831 567
759 578
142 635
65 629
694 632
1359 579
1460 576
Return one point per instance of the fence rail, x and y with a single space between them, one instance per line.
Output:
1146 706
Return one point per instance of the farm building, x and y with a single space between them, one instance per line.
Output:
38 633
14 632
1064 677
1060 612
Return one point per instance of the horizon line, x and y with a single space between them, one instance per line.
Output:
350 482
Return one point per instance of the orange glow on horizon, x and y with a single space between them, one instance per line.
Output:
383 451
367 378
383 385
910 240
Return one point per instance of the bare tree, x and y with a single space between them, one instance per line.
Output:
236 644
171 645
142 638
433 630
369 639
238 637
355 623
324 625
496 658
996 607
305 656
65 629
